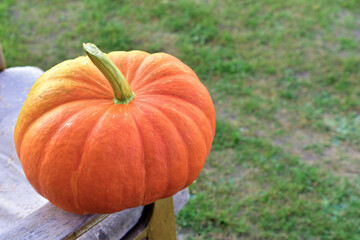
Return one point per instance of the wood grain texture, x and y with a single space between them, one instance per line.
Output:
17 198
50 222
115 226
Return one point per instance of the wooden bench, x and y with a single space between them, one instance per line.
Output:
25 215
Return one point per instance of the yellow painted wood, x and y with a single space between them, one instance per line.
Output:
2 60
142 235
162 223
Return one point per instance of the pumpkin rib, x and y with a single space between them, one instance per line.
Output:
201 109
137 70
183 110
181 137
181 99
85 85
79 77
140 80
36 141
122 61
129 68
143 156
81 162
169 120
46 159
47 111
166 162
156 81
151 59
74 70
147 163
99 95
173 96
43 157
207 144
94 90
96 80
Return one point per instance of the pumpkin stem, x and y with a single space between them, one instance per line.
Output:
121 88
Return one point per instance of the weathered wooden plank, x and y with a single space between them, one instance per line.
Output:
89 225
115 226
48 218
17 198
50 222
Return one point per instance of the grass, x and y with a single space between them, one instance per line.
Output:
284 79
273 195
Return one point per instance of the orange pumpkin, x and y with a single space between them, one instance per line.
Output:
106 132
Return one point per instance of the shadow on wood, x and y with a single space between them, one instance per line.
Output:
157 222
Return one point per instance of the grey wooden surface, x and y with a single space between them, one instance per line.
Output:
23 213
50 222
17 198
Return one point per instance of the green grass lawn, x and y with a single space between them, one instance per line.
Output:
284 77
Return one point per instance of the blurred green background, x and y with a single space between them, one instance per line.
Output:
284 78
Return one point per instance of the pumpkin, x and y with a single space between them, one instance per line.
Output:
106 132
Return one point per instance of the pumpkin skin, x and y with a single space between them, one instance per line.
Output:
86 154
